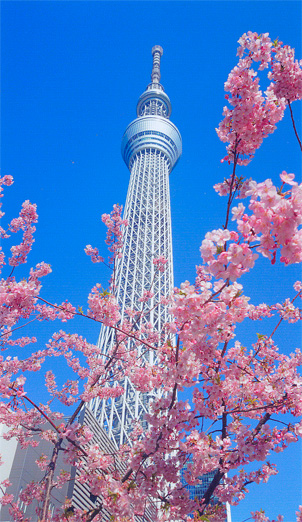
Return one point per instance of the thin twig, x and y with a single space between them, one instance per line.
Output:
231 197
280 321
293 121
17 328
81 314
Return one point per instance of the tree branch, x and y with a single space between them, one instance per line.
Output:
293 121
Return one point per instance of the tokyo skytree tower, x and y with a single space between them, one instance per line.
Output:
151 146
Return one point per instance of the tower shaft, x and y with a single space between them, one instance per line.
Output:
148 235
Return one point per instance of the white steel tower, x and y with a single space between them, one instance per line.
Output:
151 147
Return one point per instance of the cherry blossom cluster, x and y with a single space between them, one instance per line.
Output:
256 48
274 223
254 115
260 516
146 296
68 394
103 307
230 263
114 240
94 254
114 223
299 514
6 180
24 222
286 73
160 263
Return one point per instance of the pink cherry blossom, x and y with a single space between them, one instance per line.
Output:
299 514
254 115
298 286
94 254
160 263
286 73
288 178
238 211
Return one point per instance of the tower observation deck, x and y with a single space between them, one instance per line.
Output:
151 146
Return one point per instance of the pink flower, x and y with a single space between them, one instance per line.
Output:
298 286
252 115
114 223
146 296
94 254
6 499
288 178
286 73
299 514
103 307
238 211
160 263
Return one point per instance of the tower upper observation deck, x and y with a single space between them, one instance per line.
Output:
152 129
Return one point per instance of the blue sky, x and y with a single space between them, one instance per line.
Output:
72 73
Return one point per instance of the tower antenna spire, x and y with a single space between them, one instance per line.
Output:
157 52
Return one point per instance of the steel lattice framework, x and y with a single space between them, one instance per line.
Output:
151 146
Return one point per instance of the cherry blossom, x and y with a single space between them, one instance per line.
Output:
94 253
254 115
299 514
160 263
286 73
239 389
